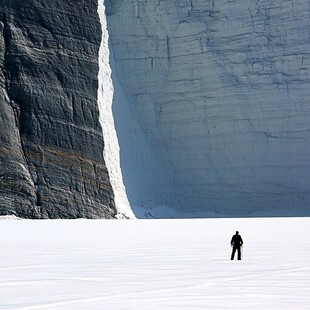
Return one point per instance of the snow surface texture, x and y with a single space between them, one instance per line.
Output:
221 89
154 264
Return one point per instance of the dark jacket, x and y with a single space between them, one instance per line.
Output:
236 241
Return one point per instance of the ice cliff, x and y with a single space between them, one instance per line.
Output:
164 108
221 91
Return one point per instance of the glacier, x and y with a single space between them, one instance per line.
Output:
219 92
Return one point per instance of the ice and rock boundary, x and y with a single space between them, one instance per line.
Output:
200 108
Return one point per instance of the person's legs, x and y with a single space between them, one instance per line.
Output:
239 253
233 253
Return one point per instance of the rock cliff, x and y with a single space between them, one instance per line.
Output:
51 144
221 89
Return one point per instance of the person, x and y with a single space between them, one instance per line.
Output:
236 243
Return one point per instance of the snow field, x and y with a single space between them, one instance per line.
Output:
154 264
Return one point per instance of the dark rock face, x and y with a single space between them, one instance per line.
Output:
51 141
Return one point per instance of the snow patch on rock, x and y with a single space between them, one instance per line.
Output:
9 217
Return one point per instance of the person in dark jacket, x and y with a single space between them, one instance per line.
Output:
236 243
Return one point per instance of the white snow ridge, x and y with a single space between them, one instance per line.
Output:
105 99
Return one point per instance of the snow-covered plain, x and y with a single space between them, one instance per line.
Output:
154 264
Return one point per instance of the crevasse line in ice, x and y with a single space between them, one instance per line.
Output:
105 98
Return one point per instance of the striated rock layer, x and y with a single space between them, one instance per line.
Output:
51 141
222 91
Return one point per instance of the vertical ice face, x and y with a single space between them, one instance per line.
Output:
138 177
105 99
222 89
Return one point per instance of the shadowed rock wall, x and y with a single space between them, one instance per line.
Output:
51 141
